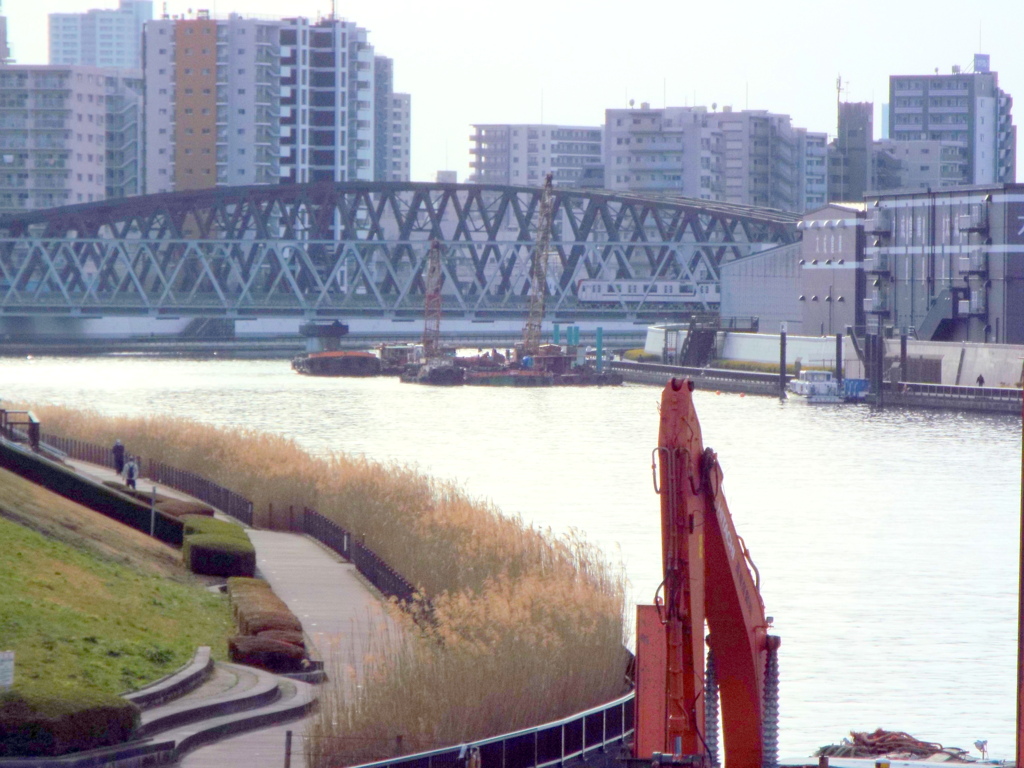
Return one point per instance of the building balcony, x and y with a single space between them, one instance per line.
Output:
974 221
975 263
878 263
877 304
879 222
976 305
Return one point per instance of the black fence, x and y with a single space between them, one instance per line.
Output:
385 578
377 572
182 480
557 743
199 487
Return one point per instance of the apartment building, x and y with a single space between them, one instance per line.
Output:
213 102
125 133
392 125
397 165
100 37
966 108
749 157
53 133
523 154
675 150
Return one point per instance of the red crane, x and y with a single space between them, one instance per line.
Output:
708 576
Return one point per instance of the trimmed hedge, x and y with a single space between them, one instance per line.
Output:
272 655
284 636
42 727
219 555
271 635
180 508
201 524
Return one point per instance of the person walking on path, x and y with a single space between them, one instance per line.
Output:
118 451
131 472
981 380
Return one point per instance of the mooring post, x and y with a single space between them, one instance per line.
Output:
903 357
839 358
782 361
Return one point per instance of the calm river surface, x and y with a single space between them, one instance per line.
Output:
887 541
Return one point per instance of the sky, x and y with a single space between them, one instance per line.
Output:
566 61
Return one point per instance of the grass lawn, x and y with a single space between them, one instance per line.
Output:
87 603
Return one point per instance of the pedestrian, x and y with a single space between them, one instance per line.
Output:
118 451
131 472
981 380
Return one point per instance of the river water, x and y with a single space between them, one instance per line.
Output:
887 541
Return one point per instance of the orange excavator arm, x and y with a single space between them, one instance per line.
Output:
708 576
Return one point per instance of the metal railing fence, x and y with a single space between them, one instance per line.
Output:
385 578
182 480
545 745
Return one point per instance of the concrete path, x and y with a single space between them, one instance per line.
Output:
340 612
106 474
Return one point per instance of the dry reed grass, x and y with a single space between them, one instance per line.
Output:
526 627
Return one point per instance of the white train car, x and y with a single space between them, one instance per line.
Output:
649 291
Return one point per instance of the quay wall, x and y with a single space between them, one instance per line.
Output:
958 363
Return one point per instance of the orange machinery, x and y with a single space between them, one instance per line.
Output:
708 576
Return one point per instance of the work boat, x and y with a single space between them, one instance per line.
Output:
821 387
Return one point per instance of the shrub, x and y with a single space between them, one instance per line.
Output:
254 622
284 636
639 356
272 655
201 524
33 726
180 508
218 555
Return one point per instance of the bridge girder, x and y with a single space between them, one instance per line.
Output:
332 249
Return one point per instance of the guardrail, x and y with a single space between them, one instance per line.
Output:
541 747
719 378
10 421
182 480
994 399
385 578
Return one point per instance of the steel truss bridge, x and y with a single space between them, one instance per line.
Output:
360 249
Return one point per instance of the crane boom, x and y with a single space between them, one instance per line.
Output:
539 272
432 303
708 576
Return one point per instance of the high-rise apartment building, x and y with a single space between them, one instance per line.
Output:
812 151
750 157
213 94
327 103
392 125
851 170
398 159
523 154
965 108
53 134
674 150
125 133
101 38
5 49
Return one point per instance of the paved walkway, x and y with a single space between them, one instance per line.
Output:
340 612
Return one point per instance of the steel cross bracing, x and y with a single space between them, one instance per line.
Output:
362 248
